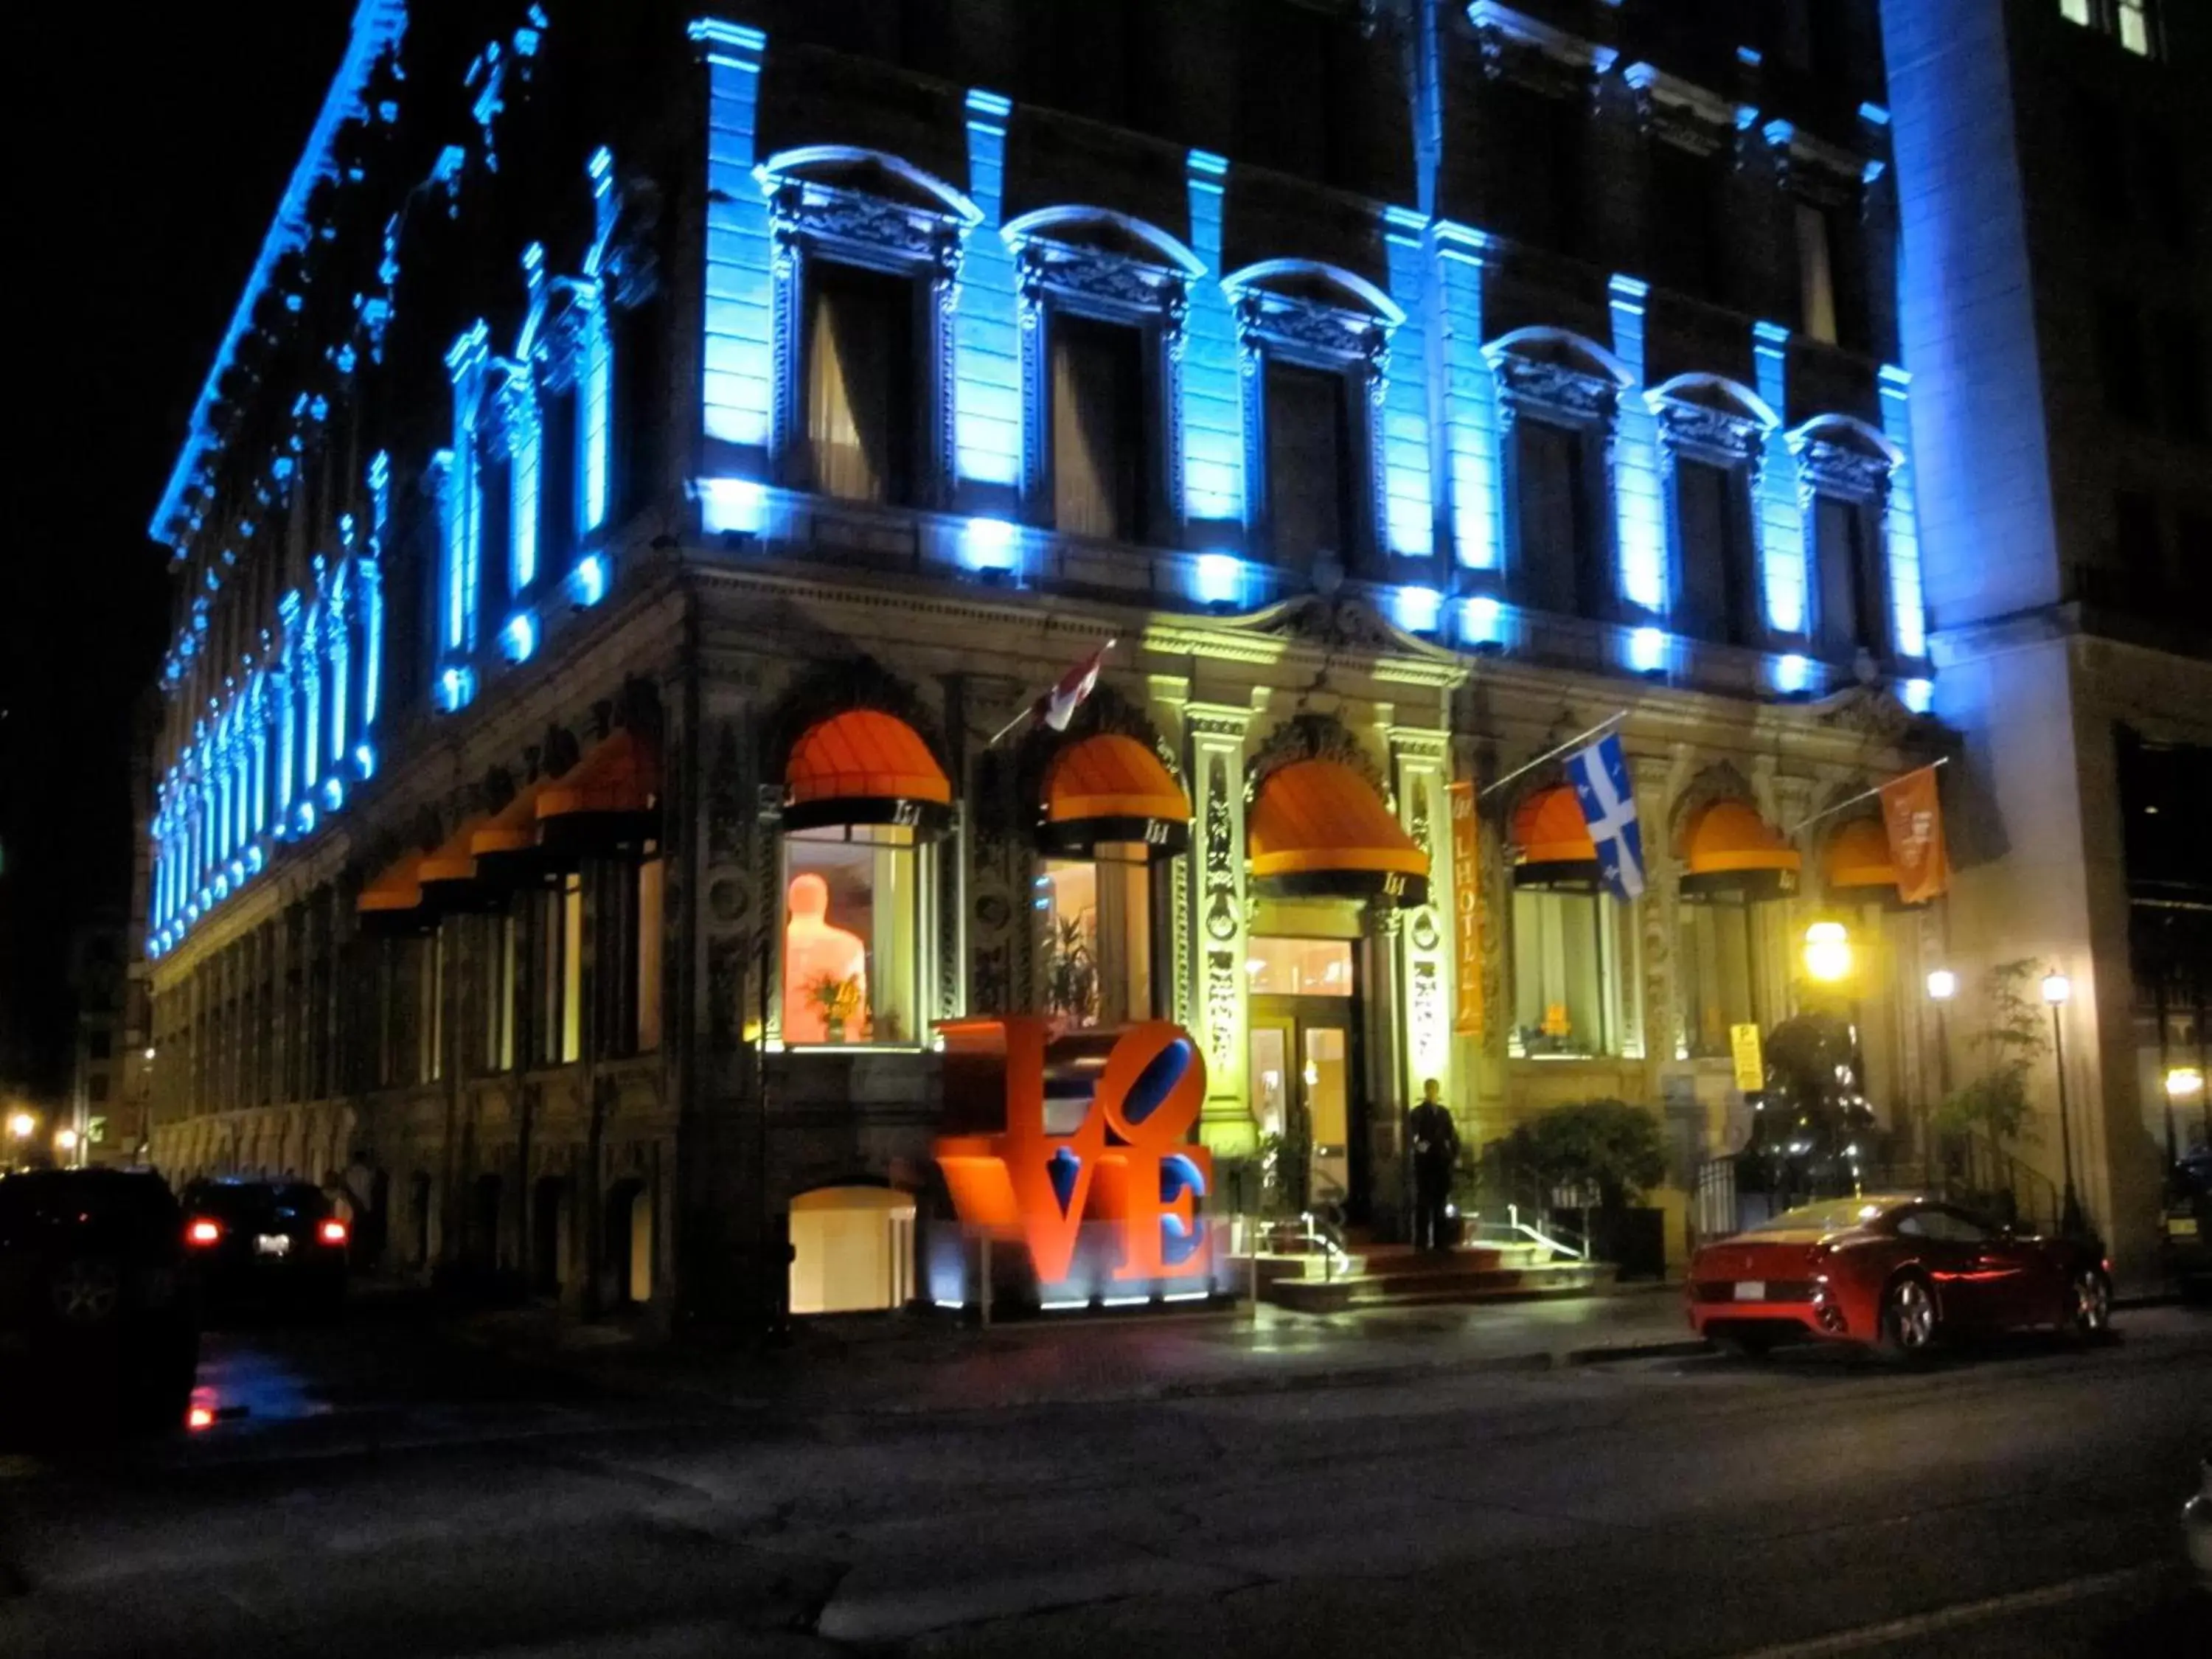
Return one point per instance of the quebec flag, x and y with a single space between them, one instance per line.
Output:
1600 773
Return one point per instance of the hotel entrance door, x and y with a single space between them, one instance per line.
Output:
1305 1073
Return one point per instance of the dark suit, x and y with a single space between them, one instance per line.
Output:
1432 1141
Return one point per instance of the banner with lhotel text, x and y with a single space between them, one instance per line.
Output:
1467 908
1913 816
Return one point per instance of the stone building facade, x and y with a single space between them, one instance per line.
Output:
661 455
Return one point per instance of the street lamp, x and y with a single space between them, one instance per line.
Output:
65 1146
1827 951
2057 991
1942 986
23 1125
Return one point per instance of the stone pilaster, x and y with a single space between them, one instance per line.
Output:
1215 736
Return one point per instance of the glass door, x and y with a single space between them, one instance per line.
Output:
1305 1101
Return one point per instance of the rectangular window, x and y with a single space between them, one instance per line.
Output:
1560 565
495 534
1309 463
852 946
2120 359
572 969
429 973
1721 965
2134 25
2101 149
1816 277
2135 526
1095 946
859 382
1101 467
1712 535
2077 11
99 1044
96 1089
499 937
560 482
1853 597
1297 966
1567 974
1536 185
649 924
1686 202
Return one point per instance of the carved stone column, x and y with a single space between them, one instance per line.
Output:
1215 734
1418 760
1659 911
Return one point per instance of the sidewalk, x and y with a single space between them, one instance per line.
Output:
915 1364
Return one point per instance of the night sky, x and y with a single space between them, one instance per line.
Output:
153 143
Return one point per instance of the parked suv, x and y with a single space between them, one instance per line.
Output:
267 1242
97 1308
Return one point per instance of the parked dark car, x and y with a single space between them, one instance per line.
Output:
98 1316
265 1244
2189 1224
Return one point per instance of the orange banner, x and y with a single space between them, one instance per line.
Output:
1914 818
1467 908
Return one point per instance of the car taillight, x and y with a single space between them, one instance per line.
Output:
203 1233
199 1416
332 1231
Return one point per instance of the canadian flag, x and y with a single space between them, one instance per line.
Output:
1057 707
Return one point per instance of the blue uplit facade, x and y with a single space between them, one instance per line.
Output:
621 396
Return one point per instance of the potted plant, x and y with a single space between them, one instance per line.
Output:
1071 970
1605 1151
837 1000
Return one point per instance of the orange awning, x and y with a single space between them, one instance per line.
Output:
1548 828
512 829
455 858
1730 848
1112 776
621 775
397 890
1857 855
1318 826
861 767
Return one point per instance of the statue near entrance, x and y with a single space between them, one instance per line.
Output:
817 957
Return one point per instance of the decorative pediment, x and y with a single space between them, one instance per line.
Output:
1314 736
1335 624
1871 711
1840 456
860 222
1557 373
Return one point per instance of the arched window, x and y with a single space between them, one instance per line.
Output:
1712 434
867 249
1558 397
1103 300
1315 343
1844 469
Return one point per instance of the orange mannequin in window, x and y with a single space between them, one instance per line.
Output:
813 950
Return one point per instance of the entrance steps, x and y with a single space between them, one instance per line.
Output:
1399 1276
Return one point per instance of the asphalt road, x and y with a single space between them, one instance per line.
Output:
372 1491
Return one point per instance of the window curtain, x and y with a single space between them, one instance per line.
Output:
852 358
1308 489
1097 440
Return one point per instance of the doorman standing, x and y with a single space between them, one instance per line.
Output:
1433 1138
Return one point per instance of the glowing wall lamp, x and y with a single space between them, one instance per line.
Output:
1792 674
588 582
731 506
1827 952
991 546
1483 621
1220 579
1920 696
1647 650
518 639
1420 609
456 686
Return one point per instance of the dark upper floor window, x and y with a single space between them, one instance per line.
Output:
1687 223
1854 597
1716 596
1536 182
860 372
1308 432
2120 363
99 1045
2134 531
559 480
1558 559
1102 471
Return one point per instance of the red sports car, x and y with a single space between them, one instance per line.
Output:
1897 1274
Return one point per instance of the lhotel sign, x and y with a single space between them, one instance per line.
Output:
1467 908
1129 1163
